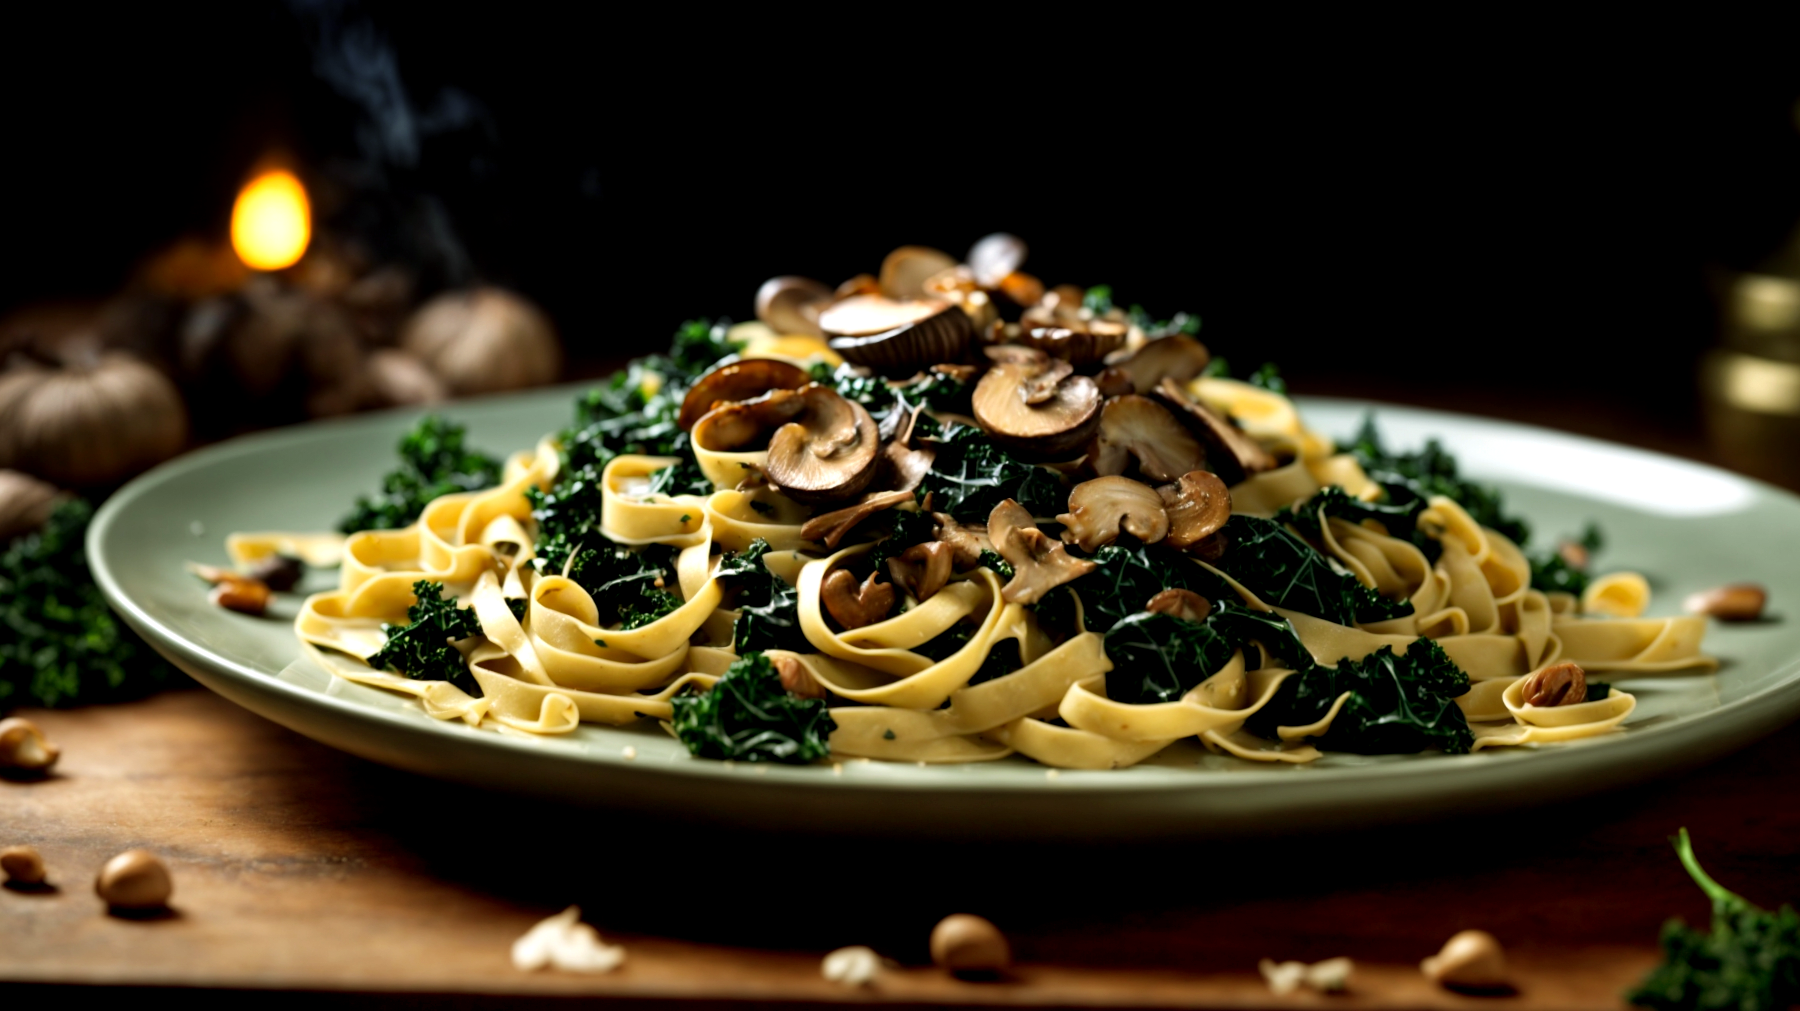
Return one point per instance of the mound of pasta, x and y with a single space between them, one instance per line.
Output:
949 515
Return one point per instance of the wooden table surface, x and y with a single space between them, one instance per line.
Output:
301 868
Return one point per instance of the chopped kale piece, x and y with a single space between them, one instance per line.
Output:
433 462
970 476
1399 519
1551 572
1432 471
652 603
749 717
1098 299
699 344
768 607
1285 571
684 478
1160 657
1128 573
1269 378
992 560
421 650
1399 703
568 517
906 527
1750 961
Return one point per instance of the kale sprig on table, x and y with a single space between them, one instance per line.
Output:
433 461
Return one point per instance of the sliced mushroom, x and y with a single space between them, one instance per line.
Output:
790 305
1138 427
1184 604
923 568
1081 343
1040 564
967 541
861 284
736 382
828 453
1198 505
1114 382
995 257
1033 405
854 606
745 424
1100 508
1233 455
832 526
897 336
957 285
905 270
1178 357
1022 288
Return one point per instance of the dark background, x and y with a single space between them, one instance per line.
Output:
1523 225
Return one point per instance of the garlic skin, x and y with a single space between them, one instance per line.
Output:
483 340
95 421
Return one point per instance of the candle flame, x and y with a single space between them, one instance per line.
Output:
271 222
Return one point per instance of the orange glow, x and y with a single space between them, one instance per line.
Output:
271 222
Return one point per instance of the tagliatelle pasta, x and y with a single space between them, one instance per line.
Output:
929 636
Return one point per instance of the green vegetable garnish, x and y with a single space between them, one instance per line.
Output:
1287 572
1432 471
970 476
1399 703
421 650
749 717
1750 961
768 608
433 462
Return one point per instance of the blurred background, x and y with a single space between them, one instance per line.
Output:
1601 247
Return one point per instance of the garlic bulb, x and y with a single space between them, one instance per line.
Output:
484 341
96 420
25 503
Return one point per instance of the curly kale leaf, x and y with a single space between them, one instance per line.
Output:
698 346
63 646
1160 658
421 650
1399 519
1399 703
652 604
621 416
1128 573
1750 961
1268 377
433 462
889 402
683 478
768 607
1433 471
749 717
1551 572
1285 571
906 527
970 476
568 517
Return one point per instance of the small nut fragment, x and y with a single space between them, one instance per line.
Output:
966 944
246 596
1471 959
1574 555
23 747
23 865
1731 602
1562 684
1184 604
135 879
277 572
856 966
798 681
855 606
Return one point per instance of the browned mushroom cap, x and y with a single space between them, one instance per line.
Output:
904 271
1100 508
1114 382
832 526
897 336
1232 454
993 257
1178 357
1077 342
1032 404
855 606
1184 604
828 452
967 541
1138 427
1039 562
745 424
791 304
923 568
736 382
1197 505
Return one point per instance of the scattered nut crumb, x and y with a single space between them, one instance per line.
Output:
1472 959
1732 602
23 747
133 880
23 865
1052 773
966 944
564 942
855 966
1329 976
837 768
629 752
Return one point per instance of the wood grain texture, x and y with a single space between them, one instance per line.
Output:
300 868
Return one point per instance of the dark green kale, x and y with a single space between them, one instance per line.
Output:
906 527
568 518
1399 704
1399 519
63 646
433 462
970 476
684 478
1128 573
1216 368
992 560
618 418
768 607
421 650
698 345
1098 299
1432 471
1750 961
888 402
1160 657
652 604
1551 572
1285 571
749 717
1156 329
627 581
1269 378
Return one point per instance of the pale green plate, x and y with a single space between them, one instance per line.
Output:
1686 526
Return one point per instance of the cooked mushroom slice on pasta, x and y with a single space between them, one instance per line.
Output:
1100 508
1080 343
1178 357
853 605
1034 405
832 526
790 305
1198 504
923 568
827 453
897 336
746 424
1040 564
967 540
1184 604
1134 427
1233 455
904 465
905 270
735 383
1114 382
